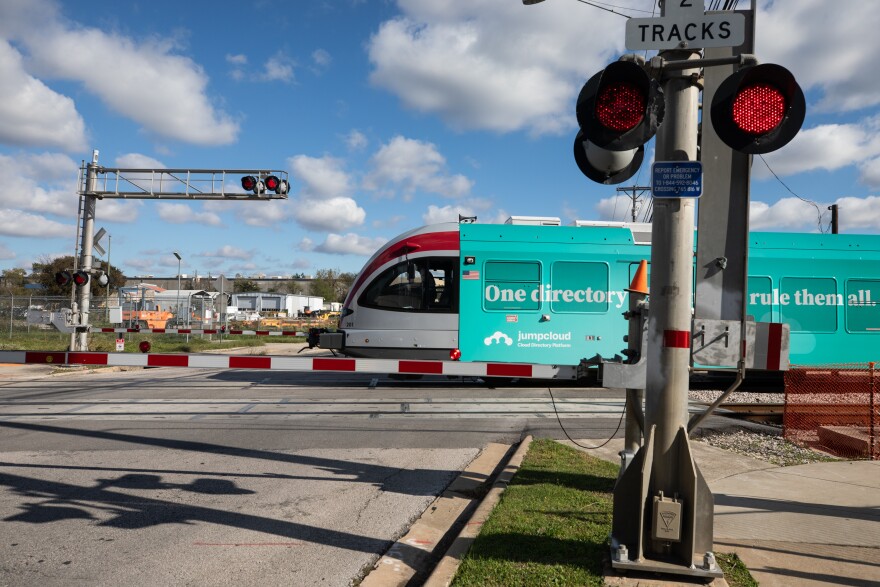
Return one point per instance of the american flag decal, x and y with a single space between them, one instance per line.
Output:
470 275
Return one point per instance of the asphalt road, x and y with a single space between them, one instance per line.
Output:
206 477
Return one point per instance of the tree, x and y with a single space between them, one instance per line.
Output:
243 285
331 285
12 281
294 288
44 273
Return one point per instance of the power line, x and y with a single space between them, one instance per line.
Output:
611 10
811 202
625 7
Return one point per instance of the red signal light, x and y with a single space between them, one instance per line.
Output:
80 278
251 184
279 186
454 355
620 106
618 110
145 346
758 109
63 278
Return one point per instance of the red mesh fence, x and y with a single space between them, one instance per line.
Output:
835 408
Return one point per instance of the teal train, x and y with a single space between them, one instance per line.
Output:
533 291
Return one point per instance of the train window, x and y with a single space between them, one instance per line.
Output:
416 285
863 305
579 287
512 285
760 300
809 304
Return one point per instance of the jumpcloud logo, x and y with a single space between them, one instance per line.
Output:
497 338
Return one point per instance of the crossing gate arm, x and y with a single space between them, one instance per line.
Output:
285 363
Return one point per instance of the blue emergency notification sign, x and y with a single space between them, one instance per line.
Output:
677 179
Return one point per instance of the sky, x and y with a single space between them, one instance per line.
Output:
387 115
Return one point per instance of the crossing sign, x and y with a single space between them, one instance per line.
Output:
683 8
687 30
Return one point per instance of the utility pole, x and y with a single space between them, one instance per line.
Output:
635 192
834 218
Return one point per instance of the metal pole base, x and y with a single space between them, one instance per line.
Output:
669 534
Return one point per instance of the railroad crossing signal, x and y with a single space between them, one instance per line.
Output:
65 278
618 110
758 109
259 186
80 278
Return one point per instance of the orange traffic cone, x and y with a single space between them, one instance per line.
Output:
640 280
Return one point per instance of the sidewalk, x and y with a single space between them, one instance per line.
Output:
805 526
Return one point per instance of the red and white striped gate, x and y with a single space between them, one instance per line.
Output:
284 363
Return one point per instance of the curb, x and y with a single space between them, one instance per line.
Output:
412 557
445 570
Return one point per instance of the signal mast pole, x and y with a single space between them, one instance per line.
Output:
88 233
672 254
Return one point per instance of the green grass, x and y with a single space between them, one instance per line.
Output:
735 571
552 524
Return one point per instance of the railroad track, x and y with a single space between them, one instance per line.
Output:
818 414
765 413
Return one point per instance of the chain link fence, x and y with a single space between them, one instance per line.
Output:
835 408
18 333
193 313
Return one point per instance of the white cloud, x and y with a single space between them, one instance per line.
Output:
330 214
183 214
267 213
19 223
410 165
350 244
322 177
228 252
828 147
141 264
786 214
321 58
871 173
449 213
617 208
6 253
324 201
494 65
388 221
859 214
278 68
827 45
239 59
356 140
254 212
113 210
306 244
138 161
142 80
40 182
31 114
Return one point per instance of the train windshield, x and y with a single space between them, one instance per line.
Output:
426 284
